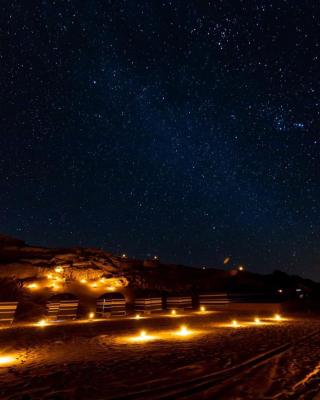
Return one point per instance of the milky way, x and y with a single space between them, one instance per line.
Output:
186 129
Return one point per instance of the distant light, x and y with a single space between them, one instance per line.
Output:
142 337
111 288
298 290
173 312
50 276
94 285
226 260
203 267
124 255
277 317
42 323
280 290
234 323
83 281
183 331
202 308
137 316
257 321
241 268
155 257
58 269
91 315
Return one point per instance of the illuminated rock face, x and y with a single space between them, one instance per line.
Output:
92 272
61 270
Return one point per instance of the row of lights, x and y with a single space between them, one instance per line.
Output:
124 255
55 279
142 337
234 323
173 312
257 321
185 331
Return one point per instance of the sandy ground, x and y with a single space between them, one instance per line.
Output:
292 375
99 360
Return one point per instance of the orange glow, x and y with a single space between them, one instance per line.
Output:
7 360
226 260
277 317
54 286
202 309
58 269
83 281
173 312
111 288
42 323
234 323
94 285
33 286
183 331
240 268
137 316
50 276
257 321
91 315
142 337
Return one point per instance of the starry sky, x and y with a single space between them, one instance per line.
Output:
185 129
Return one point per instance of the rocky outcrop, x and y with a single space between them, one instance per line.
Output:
34 265
63 269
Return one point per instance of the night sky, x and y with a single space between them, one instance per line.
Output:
185 129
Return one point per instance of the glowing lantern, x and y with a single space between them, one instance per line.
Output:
202 309
142 337
183 331
277 317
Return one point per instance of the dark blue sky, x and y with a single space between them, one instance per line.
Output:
189 130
